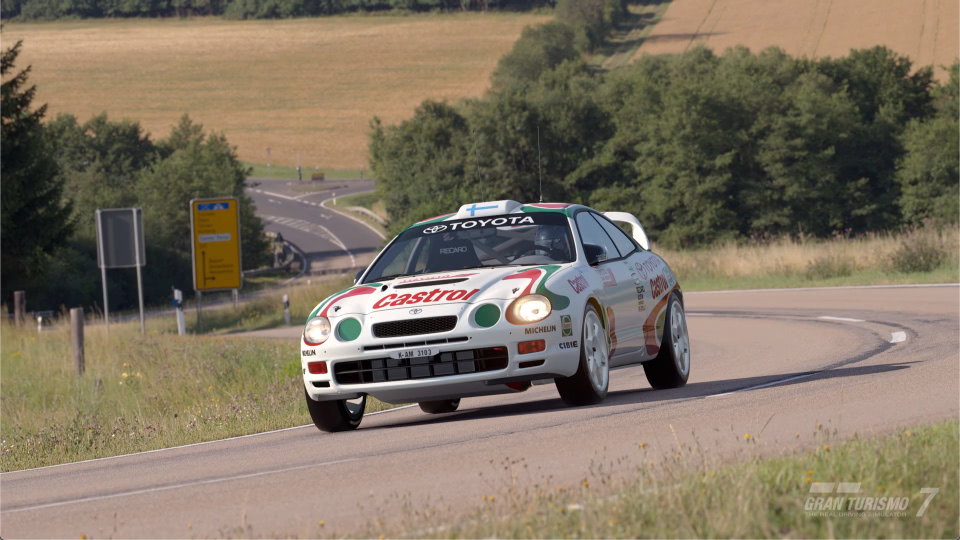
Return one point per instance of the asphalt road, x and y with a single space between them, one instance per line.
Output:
329 239
774 364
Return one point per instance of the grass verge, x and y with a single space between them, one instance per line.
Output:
370 201
685 496
922 255
146 392
260 170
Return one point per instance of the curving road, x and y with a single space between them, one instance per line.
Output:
775 364
329 240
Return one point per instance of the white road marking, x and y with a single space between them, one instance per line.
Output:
177 486
897 337
913 286
844 319
772 383
324 202
699 314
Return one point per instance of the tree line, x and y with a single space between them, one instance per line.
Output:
701 147
243 9
57 174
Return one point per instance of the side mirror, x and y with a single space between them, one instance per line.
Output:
356 278
636 229
595 254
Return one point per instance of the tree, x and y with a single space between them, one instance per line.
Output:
539 49
199 166
34 218
929 173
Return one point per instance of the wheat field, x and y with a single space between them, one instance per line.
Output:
925 30
307 85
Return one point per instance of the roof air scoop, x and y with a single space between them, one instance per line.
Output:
489 208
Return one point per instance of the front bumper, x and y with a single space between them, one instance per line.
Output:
470 360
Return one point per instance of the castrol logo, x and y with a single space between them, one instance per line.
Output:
436 295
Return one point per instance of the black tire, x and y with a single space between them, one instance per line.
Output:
439 407
331 416
583 387
668 370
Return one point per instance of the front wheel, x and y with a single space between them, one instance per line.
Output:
338 415
671 367
439 407
589 384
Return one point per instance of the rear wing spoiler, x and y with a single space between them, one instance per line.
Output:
636 229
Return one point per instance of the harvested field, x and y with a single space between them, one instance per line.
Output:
306 84
925 30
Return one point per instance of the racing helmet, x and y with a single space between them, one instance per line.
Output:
551 238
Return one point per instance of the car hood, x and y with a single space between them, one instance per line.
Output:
464 286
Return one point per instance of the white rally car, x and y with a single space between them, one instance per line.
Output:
490 300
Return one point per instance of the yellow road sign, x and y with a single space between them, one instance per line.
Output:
215 232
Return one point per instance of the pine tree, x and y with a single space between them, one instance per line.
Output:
34 218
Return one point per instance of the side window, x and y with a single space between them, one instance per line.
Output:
592 233
620 238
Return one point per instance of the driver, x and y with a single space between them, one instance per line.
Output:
552 240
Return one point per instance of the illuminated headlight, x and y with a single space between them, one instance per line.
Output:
529 309
317 330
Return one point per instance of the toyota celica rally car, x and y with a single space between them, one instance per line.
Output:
490 300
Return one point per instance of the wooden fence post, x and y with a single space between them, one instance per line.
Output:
19 307
76 338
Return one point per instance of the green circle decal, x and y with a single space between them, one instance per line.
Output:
487 315
348 329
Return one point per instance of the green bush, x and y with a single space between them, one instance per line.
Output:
917 254
829 266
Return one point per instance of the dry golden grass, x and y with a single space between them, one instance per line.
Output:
792 257
925 30
307 84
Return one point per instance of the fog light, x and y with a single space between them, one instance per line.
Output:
317 368
527 347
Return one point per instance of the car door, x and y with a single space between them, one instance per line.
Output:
618 289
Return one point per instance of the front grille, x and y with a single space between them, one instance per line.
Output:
415 327
444 364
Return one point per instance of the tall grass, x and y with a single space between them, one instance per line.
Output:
146 392
918 255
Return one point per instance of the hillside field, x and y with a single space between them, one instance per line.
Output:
925 30
306 84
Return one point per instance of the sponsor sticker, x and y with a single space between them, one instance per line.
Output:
436 295
488 222
569 345
540 329
658 286
308 352
606 275
578 284
453 250
566 326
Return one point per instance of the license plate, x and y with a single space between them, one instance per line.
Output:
413 353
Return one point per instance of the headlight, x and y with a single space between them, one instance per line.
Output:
317 331
529 309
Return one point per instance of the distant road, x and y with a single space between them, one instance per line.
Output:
329 240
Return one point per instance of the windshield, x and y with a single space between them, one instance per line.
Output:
505 240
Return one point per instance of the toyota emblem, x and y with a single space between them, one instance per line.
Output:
416 311
434 229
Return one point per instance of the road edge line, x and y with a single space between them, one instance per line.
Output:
323 204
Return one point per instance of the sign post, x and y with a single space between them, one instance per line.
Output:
120 245
215 246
